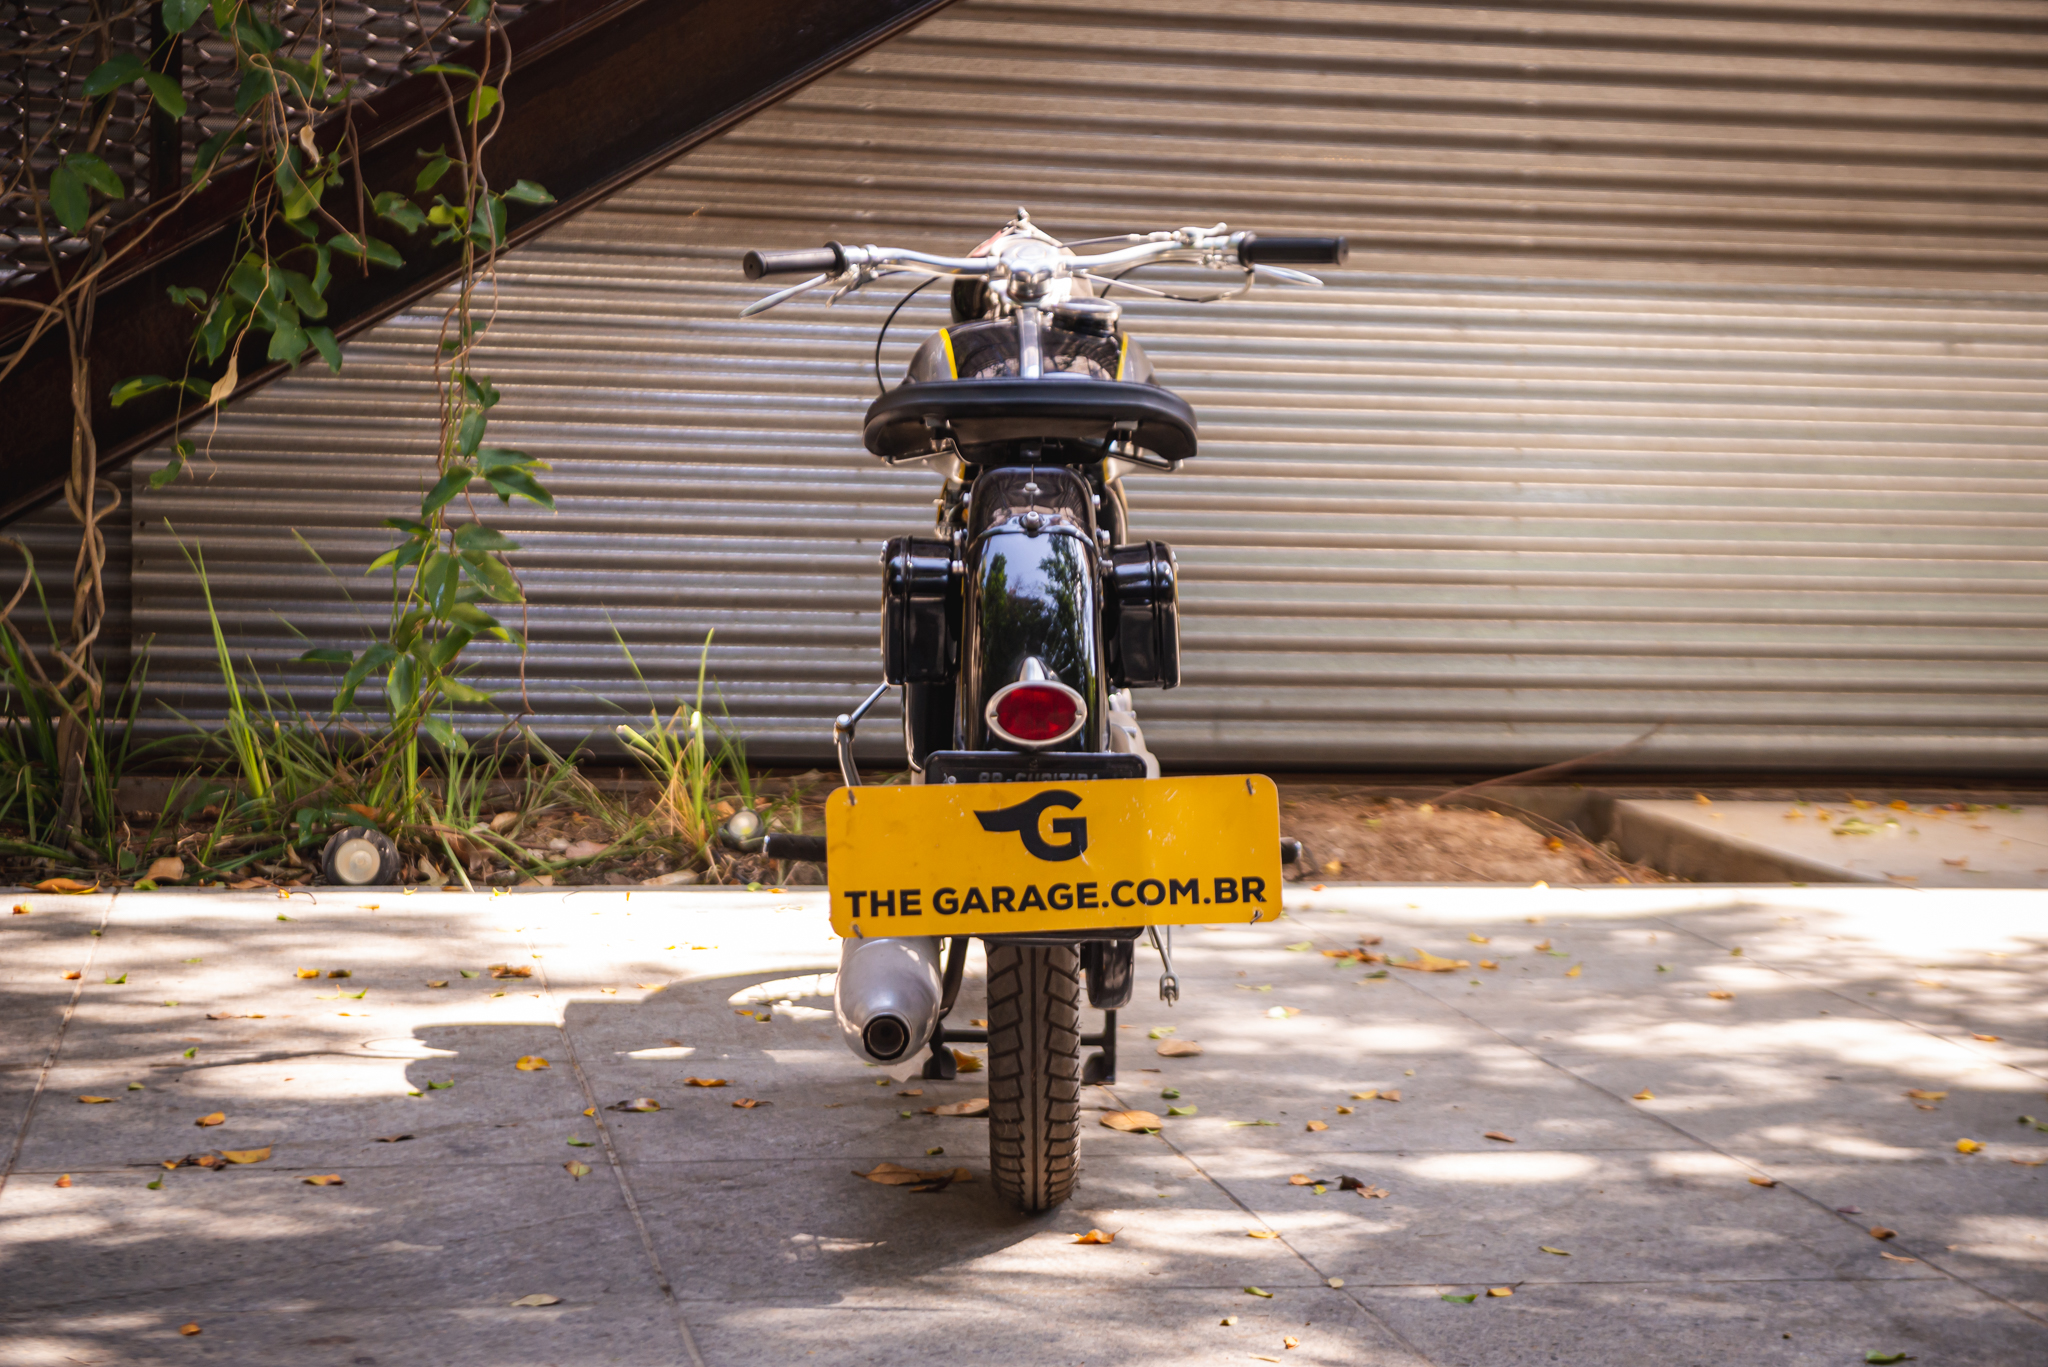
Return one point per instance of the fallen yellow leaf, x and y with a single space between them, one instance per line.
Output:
1317 1125
1896 1257
1346 1110
217 1118
1095 1236
95 1100
1478 939
1763 1181
977 1105
1967 1146
530 1063
69 887
1546 1248
1131 1121
168 869
1574 970
1426 962
1261 1234
1988 1039
441 983
307 973
1645 1095
73 975
1389 1095
1543 947
511 970
1722 996
1500 1291
331 1179
577 1170
246 1155
1503 1138
965 1062
63 1181
188 1330
537 1299
1365 1096
895 1175
1919 1095
718 1082
1880 1232
1488 963
1178 1048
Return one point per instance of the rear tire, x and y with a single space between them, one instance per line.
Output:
1034 1065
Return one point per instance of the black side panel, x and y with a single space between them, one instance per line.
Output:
920 611
1141 628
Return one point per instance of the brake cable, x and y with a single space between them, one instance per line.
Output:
879 382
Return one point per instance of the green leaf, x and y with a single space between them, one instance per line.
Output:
1875 1356
399 557
186 295
323 273
491 458
224 12
475 536
97 174
376 657
526 192
1181 1110
165 92
482 101
379 253
448 647
327 655
139 385
445 213
287 344
494 577
402 687
111 75
490 221
257 85
180 15
582 1144
474 617
479 390
170 472
437 581
478 11
1463 1300
302 293
209 153
68 199
430 174
300 195
470 432
249 279
451 484
396 208
440 730
323 342
510 484
462 692
446 69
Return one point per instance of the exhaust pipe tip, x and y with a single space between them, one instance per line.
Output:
886 1038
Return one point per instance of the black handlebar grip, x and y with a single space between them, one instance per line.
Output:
808 848
1293 251
826 260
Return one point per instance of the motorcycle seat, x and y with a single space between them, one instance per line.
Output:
915 418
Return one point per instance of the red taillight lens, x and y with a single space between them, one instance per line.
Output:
1035 712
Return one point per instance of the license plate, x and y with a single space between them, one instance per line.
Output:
989 858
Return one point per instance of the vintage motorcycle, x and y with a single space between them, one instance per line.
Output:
1035 817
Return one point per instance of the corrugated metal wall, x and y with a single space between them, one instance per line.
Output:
1689 369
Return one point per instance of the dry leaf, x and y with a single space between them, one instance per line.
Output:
168 869
70 887
1389 1095
1503 1138
1179 1048
95 1100
1095 1236
1255 1291
188 1330
1919 1095
1763 1181
442 983
1988 1039
232 1016
307 973
63 1181
964 1062
894 1175
1317 1125
21 909
1365 1096
1897 1257
915 1091
511 971
331 1179
1880 1232
713 1082
217 1118
530 1063
537 1299
1722 996
1574 970
977 1105
1543 947
1500 1291
1426 962
1290 1341
747 1103
1644 1095
73 975
246 1155
577 1170
1546 1248
1131 1121
250 884
1346 1110
1261 1234
638 1103
1301 1179
391 1139
1967 1146
1478 939
1488 963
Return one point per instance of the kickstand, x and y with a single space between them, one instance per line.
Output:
1169 986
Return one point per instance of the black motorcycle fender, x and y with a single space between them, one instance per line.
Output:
1032 594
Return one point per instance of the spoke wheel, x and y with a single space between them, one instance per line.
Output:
1034 1065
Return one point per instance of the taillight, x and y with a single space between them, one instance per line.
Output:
1036 713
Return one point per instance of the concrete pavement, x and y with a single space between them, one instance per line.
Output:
1640 1111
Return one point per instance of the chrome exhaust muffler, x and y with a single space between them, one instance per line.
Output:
887 995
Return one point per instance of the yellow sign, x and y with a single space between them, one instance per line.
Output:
986 858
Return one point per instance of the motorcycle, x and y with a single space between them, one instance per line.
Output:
1035 817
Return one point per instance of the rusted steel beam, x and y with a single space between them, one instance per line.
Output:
599 93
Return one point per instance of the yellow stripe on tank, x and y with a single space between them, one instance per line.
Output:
1123 348
952 365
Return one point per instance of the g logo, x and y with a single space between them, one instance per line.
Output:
1023 819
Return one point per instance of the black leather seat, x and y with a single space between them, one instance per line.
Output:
911 419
